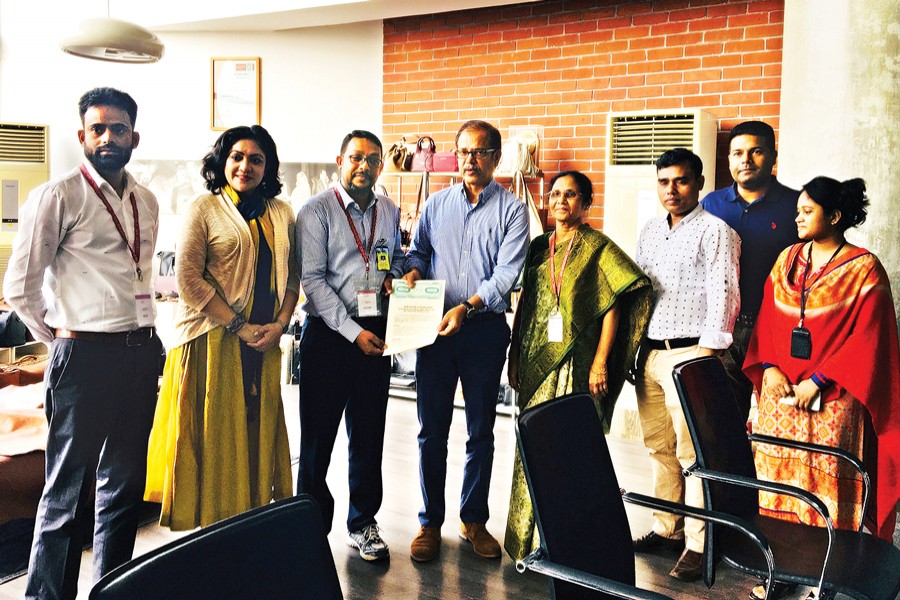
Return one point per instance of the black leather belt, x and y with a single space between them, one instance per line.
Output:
137 337
672 343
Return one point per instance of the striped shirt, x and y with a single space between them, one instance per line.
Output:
476 249
330 260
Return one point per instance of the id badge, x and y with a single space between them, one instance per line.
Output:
382 259
801 343
555 327
368 299
143 301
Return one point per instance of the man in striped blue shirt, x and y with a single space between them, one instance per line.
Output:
348 248
473 235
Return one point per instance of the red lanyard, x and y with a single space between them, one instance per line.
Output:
362 251
136 249
554 283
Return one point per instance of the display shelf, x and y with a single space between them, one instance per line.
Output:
14 353
425 178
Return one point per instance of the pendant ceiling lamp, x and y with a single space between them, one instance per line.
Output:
115 41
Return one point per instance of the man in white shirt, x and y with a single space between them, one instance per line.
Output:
80 278
691 258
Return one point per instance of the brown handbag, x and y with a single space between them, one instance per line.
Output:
398 157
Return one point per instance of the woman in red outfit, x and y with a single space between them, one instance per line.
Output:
827 330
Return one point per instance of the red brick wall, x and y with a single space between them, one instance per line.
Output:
565 64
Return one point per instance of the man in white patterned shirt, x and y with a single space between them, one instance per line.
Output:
691 258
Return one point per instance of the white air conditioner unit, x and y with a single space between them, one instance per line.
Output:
24 164
636 139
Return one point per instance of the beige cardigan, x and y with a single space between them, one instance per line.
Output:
216 255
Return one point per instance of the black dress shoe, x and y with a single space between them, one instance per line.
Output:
688 567
653 541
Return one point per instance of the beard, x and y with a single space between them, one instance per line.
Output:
114 160
365 187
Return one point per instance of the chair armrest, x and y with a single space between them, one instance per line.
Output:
820 449
712 516
776 488
765 486
537 563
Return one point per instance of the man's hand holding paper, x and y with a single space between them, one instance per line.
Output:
414 314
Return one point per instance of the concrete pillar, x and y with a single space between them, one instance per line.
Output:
840 109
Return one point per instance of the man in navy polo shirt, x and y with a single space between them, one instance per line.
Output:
762 211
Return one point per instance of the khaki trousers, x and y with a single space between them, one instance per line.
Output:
667 438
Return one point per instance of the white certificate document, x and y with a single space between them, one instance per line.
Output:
414 315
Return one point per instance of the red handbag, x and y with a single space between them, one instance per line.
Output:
445 162
422 158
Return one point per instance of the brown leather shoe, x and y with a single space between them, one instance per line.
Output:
482 542
688 567
426 545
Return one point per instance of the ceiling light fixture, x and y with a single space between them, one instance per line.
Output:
115 41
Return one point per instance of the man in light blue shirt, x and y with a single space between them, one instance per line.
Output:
348 244
473 235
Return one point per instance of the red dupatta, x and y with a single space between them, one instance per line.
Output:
850 315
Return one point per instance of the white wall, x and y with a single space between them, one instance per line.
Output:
840 109
317 83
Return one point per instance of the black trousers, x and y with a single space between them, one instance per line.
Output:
337 379
100 399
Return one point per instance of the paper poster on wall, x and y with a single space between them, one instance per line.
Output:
235 92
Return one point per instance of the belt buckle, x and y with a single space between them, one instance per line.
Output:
140 342
666 344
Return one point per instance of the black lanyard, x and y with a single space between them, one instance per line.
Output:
804 291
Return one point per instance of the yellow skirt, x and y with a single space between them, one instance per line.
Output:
205 461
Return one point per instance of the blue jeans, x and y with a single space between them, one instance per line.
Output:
100 400
475 357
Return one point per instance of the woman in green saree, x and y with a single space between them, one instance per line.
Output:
583 310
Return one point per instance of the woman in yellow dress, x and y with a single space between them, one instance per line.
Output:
219 442
584 308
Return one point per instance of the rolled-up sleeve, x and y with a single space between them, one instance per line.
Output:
722 248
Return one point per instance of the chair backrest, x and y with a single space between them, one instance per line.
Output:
275 551
718 432
577 502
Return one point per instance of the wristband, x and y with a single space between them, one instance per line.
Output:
236 323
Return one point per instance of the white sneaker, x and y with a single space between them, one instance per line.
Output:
369 543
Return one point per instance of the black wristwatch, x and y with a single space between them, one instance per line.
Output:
470 309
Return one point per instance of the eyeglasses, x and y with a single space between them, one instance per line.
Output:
477 153
373 160
567 194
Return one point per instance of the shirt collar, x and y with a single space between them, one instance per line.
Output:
130 182
489 190
686 218
347 199
774 188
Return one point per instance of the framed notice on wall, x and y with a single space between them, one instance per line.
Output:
235 92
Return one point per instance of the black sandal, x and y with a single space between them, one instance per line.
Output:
778 589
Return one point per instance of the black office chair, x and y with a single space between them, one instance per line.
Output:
849 562
585 540
274 551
